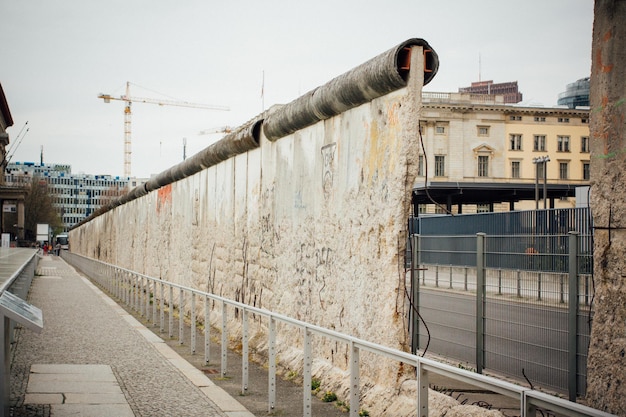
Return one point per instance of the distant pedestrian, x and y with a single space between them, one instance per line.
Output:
57 249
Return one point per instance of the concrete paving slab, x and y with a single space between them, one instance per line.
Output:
43 398
95 387
70 369
100 410
91 398
149 335
39 378
223 400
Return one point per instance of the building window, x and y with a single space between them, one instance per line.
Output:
483 208
515 118
563 119
540 119
440 165
440 130
483 166
563 170
586 171
516 142
483 130
562 143
584 121
584 144
420 165
539 143
515 169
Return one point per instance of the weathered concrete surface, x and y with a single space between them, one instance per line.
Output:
606 367
311 226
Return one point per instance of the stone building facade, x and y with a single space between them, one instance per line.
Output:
479 154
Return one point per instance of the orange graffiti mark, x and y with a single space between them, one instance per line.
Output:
605 101
603 68
608 35
164 196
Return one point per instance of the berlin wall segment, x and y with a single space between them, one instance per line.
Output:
310 225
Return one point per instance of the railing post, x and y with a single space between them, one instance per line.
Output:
415 294
307 377
126 288
207 331
224 347
244 351
139 294
450 276
193 323
422 390
272 366
181 316
135 287
572 327
519 284
146 296
162 305
170 318
154 303
354 380
480 301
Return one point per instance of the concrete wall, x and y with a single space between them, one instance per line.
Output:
606 366
311 225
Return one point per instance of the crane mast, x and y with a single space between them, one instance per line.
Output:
128 99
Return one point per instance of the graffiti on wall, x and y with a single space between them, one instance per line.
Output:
328 170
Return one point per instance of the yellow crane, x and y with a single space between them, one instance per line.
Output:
128 99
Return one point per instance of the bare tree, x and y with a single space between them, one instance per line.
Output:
39 208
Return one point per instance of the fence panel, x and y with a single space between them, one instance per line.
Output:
526 306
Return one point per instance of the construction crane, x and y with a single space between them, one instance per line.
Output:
127 116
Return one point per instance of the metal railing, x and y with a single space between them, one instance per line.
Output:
136 290
531 322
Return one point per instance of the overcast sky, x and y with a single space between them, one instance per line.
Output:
57 56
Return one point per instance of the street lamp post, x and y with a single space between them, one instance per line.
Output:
543 160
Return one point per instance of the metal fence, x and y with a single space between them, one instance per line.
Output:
540 244
150 297
490 302
528 222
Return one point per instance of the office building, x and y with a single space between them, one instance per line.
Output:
576 94
484 155
75 196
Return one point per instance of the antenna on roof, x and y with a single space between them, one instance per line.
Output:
479 79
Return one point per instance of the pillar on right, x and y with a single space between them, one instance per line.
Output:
606 367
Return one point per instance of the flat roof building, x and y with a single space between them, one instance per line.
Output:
75 196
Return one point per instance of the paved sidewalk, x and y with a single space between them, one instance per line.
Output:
94 359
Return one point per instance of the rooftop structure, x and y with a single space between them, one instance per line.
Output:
508 90
576 94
